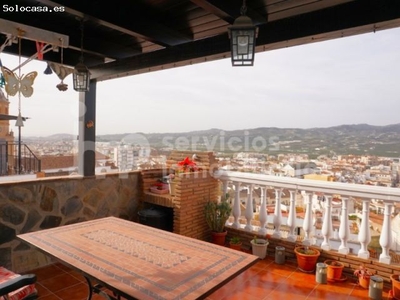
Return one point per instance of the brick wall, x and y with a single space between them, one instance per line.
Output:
193 190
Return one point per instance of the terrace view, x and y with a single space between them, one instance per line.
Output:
88 215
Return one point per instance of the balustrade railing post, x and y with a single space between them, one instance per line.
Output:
291 221
364 236
308 222
263 211
249 208
277 214
327 229
344 231
386 235
236 206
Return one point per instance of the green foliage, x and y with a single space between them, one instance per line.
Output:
217 214
306 250
235 240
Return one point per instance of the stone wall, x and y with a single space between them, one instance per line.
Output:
51 202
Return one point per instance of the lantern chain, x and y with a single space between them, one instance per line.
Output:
243 9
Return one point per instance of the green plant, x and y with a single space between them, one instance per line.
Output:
235 240
217 214
306 250
259 241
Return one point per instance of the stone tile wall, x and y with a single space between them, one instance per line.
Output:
50 202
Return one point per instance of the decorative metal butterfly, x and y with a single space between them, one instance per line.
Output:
15 84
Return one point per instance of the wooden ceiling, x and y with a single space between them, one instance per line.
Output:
127 37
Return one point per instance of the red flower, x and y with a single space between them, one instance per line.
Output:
187 165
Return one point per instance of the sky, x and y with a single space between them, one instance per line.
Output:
350 80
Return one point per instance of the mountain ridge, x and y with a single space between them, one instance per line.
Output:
358 139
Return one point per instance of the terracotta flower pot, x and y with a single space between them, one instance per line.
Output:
236 246
363 281
218 237
335 269
306 259
395 285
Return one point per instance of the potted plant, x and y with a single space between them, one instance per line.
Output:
217 213
335 269
259 247
364 276
235 243
395 291
306 258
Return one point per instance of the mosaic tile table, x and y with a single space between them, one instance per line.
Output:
141 262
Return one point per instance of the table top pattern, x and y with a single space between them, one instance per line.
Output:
141 261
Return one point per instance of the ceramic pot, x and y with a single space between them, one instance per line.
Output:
236 246
335 269
364 281
395 285
218 237
259 247
306 261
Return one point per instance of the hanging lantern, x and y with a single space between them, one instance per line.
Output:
81 75
81 78
243 36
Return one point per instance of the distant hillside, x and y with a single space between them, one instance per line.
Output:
355 139
344 139
53 137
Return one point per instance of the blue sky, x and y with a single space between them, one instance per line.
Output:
350 80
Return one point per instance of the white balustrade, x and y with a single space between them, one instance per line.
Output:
327 228
263 211
291 221
277 214
367 193
249 208
308 220
344 231
385 239
236 206
364 236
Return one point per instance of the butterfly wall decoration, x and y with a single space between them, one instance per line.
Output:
15 84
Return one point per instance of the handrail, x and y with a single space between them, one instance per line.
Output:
344 189
11 158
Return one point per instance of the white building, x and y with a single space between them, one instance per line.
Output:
126 157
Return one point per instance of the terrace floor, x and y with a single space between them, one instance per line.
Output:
264 280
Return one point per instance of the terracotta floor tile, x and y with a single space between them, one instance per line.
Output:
59 282
240 295
263 281
292 289
50 297
47 272
77 275
284 270
331 291
77 291
259 288
42 291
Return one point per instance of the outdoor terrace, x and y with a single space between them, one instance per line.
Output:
51 202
